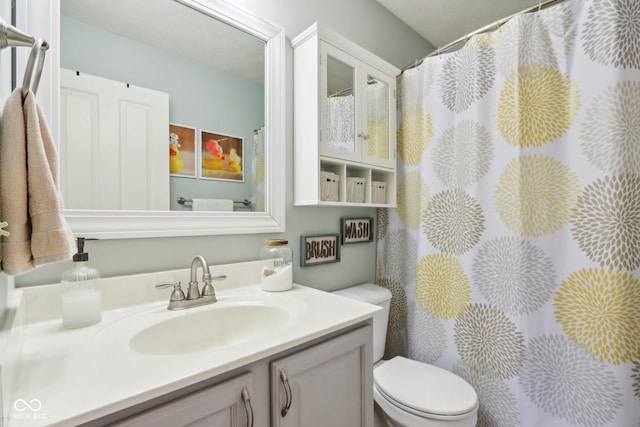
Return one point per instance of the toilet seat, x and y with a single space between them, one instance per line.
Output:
424 390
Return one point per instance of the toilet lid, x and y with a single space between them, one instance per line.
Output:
424 388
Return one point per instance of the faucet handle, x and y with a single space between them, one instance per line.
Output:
177 294
207 289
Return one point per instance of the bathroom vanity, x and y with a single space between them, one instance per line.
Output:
328 379
300 357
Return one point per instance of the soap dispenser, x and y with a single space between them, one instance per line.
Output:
81 294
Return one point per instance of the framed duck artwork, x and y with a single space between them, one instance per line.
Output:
183 156
221 157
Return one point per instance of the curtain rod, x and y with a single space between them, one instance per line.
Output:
497 24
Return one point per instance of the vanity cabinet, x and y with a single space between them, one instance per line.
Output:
227 404
325 385
344 123
327 382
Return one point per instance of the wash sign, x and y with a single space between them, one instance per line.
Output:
356 230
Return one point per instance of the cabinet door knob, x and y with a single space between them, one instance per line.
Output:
247 406
287 392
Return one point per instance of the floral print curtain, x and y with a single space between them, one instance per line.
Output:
340 122
514 253
257 170
378 119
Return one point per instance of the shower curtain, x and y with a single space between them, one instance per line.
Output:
257 171
513 256
340 122
377 119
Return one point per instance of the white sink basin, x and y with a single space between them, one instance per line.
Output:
232 321
203 330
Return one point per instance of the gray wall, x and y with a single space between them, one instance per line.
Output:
365 22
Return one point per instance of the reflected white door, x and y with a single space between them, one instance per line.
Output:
114 148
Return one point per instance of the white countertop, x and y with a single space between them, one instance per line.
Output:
53 376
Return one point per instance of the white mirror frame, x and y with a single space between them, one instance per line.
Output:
42 19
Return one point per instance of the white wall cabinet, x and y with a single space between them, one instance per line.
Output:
344 122
329 382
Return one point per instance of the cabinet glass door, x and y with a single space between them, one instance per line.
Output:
379 149
377 118
339 134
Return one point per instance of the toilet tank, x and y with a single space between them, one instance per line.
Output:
377 295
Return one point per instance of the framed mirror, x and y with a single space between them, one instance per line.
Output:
188 25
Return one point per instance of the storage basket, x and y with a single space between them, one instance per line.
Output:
355 189
379 192
329 186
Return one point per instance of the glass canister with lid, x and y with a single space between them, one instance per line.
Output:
277 272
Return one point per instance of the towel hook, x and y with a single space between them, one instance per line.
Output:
38 49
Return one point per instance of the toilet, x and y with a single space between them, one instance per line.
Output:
407 392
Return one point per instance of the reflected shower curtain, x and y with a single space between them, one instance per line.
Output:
514 254
378 120
340 122
257 170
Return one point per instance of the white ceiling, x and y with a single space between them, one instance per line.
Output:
443 21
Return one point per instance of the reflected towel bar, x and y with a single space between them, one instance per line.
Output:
245 202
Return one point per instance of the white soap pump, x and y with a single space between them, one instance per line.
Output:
81 294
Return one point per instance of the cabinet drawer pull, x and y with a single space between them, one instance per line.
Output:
287 392
247 406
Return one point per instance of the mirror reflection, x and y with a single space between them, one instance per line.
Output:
162 108
377 118
342 110
340 105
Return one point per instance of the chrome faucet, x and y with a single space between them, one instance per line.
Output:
194 297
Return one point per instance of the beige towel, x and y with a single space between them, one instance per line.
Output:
29 198
16 248
212 205
51 237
